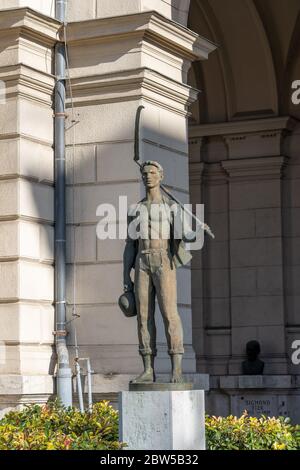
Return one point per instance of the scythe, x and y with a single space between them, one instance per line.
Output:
204 226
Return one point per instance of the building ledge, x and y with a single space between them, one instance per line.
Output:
148 25
238 382
29 23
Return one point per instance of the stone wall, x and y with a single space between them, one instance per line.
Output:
246 174
26 200
119 59
116 65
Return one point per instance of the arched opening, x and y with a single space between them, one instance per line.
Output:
244 166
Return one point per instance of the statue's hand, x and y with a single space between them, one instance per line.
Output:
128 285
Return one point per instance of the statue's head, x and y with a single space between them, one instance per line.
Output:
152 173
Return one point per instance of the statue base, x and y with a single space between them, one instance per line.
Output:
162 419
160 387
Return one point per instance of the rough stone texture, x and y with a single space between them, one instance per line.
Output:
162 420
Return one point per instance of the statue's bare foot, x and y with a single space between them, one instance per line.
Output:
176 360
177 378
145 377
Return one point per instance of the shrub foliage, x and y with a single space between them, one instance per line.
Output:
248 433
53 427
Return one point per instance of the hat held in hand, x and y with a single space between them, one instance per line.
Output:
127 304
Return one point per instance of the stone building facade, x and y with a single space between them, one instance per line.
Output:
233 147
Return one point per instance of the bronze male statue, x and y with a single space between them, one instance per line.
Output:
155 255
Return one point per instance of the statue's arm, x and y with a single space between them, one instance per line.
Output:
129 257
181 221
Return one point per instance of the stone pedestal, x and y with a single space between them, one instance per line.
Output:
269 395
162 420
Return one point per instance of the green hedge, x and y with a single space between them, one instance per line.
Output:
248 433
51 427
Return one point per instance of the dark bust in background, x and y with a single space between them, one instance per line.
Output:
253 365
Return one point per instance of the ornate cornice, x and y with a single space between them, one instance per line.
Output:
214 173
243 127
255 168
249 139
195 172
148 26
29 23
27 82
133 84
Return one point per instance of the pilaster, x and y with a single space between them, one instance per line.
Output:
26 193
253 163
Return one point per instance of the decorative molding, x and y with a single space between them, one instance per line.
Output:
134 84
222 331
29 23
214 173
255 168
248 139
26 82
260 144
149 26
165 147
243 127
273 381
196 171
195 147
19 135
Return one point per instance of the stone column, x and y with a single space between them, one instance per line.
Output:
210 266
117 64
255 168
26 204
246 191
196 168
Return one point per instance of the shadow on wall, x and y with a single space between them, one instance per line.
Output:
250 75
104 170
248 78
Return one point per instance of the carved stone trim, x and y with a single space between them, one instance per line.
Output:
31 24
196 171
26 82
255 168
134 84
243 127
148 26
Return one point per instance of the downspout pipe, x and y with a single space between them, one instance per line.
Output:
64 373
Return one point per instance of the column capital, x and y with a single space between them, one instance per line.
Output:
155 88
195 147
25 22
148 26
196 172
214 174
246 139
255 168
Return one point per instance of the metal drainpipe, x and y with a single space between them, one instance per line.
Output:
64 373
